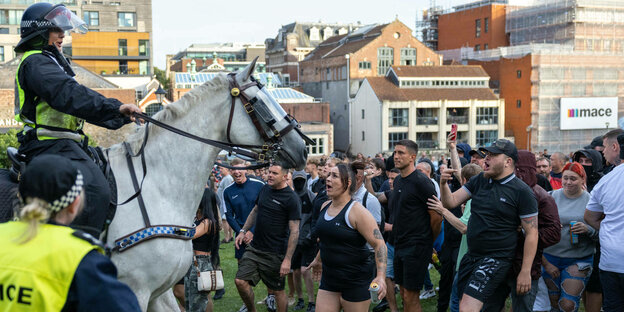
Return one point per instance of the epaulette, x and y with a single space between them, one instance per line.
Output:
89 238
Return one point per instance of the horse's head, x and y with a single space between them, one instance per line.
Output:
259 119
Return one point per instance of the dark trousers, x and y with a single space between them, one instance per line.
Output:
97 191
448 258
612 290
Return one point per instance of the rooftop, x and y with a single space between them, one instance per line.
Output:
386 90
440 71
344 44
199 78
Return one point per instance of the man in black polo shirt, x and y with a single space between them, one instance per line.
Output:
268 258
413 237
500 202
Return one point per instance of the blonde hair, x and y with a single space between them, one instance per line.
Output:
34 212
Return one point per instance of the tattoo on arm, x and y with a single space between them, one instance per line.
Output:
251 219
292 238
381 257
530 222
377 234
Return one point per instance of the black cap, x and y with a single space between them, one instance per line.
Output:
597 141
51 178
620 139
502 146
476 152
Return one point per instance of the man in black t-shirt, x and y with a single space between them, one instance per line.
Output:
500 203
268 258
413 237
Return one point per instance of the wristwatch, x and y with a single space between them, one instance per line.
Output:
242 231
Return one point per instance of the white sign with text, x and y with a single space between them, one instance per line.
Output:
589 113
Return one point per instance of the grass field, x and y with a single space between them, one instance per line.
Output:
231 302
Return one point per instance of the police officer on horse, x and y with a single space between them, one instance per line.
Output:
53 106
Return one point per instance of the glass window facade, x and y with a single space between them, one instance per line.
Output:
385 59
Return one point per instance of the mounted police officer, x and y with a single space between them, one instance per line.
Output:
47 266
54 107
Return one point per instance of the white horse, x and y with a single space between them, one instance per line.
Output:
177 171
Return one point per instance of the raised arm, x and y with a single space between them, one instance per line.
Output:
436 205
293 226
381 197
451 199
455 163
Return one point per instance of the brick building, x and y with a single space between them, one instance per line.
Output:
335 70
420 103
294 41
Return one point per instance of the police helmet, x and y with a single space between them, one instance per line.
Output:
39 18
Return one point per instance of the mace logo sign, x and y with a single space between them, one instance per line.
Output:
588 113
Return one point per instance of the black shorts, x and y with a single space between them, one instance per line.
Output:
259 265
410 266
594 285
295 262
354 289
480 277
238 253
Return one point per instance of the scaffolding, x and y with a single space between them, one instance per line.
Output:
427 27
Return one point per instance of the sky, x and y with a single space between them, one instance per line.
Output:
178 24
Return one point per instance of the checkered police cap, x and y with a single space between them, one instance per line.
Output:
51 178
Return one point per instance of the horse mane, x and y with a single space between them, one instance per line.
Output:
179 108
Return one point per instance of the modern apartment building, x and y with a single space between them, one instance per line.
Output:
118 42
420 103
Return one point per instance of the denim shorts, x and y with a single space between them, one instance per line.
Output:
390 265
562 264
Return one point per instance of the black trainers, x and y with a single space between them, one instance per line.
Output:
300 305
271 304
382 306
311 307
219 294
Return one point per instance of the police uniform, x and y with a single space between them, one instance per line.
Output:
53 108
59 270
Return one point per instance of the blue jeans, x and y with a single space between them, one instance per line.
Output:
613 290
562 264
455 295
390 266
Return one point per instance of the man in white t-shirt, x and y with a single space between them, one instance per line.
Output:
607 201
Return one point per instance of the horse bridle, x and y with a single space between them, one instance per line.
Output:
259 114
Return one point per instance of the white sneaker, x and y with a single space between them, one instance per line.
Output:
243 309
263 301
430 266
427 294
271 304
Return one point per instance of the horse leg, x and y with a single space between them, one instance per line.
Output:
165 302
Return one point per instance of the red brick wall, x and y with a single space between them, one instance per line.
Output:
457 29
308 112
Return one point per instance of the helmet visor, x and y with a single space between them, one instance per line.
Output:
65 19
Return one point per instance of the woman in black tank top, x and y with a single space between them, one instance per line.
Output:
343 228
206 229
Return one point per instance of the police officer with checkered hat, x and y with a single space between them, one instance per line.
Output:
44 264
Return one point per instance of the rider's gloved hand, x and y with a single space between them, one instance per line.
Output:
129 110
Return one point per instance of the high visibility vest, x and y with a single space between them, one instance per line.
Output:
36 275
49 123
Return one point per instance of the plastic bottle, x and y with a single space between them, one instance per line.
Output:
436 261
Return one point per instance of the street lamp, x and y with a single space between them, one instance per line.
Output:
160 95
347 56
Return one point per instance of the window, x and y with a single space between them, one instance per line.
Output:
486 46
408 56
425 140
318 148
123 67
143 47
485 137
458 115
398 117
363 114
519 74
385 59
486 25
11 17
144 68
314 34
152 109
478 47
123 47
394 138
364 65
478 28
487 115
426 116
518 103
1 54
92 18
126 19
363 135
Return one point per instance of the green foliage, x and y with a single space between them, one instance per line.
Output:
162 78
6 140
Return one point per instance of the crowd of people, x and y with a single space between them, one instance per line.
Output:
541 230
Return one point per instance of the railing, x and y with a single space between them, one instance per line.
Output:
113 71
427 143
456 120
426 120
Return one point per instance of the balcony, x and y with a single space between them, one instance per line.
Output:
108 53
426 120
427 144
457 120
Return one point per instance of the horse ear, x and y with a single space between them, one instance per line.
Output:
246 73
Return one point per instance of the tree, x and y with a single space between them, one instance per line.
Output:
6 140
162 78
